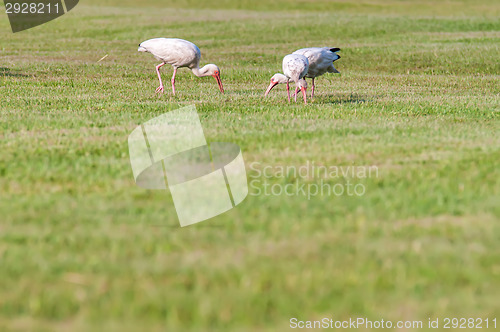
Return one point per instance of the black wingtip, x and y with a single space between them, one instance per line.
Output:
335 49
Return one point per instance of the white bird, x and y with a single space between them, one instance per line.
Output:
295 67
179 53
321 61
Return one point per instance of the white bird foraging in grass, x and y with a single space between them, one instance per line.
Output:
179 53
295 67
321 61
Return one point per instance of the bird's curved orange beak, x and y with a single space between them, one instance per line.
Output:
304 94
216 75
270 87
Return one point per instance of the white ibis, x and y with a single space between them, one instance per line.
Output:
179 53
295 67
321 61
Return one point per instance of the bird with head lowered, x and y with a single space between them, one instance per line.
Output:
295 68
179 53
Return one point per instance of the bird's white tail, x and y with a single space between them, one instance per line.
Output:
332 69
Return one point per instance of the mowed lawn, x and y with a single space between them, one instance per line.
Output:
83 249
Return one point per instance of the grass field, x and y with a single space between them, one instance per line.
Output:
83 249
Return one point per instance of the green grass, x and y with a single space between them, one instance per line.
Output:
83 248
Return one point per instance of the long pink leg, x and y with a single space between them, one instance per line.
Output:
288 91
312 88
173 80
160 88
296 90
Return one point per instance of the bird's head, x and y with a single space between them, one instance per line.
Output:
302 86
214 71
275 80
